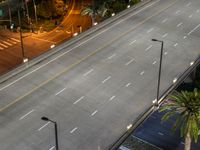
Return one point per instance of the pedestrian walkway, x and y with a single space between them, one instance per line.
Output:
8 42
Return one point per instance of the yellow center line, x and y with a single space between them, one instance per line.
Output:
83 59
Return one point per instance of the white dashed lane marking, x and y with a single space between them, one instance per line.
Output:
154 62
44 126
81 98
52 148
141 73
179 24
87 73
164 35
150 30
164 20
194 29
175 44
113 55
130 61
94 112
188 4
132 42
26 114
106 79
60 91
112 98
149 47
73 130
178 11
128 84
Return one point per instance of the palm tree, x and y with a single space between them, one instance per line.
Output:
186 105
94 10
88 10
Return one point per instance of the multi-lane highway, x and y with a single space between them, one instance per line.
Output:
96 87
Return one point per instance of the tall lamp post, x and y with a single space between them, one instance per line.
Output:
56 130
160 67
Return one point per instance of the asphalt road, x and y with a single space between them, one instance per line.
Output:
96 87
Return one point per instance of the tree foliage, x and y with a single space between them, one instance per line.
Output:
50 8
186 105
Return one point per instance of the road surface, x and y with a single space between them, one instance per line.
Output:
96 87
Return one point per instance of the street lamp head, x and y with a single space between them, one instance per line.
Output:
45 118
154 39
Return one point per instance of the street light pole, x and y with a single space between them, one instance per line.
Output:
20 31
160 67
56 130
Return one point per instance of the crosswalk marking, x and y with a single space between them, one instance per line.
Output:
15 40
3 45
8 42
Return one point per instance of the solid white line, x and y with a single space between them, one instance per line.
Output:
154 62
194 29
60 91
179 24
165 35
175 44
188 4
87 73
141 73
52 148
94 112
112 98
78 100
150 30
164 20
132 42
106 79
128 84
73 130
190 16
129 62
148 48
113 55
43 126
76 46
26 114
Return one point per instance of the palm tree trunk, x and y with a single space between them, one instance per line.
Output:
187 142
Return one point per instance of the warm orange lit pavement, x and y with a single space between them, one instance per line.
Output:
35 44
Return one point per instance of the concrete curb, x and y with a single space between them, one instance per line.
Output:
64 44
